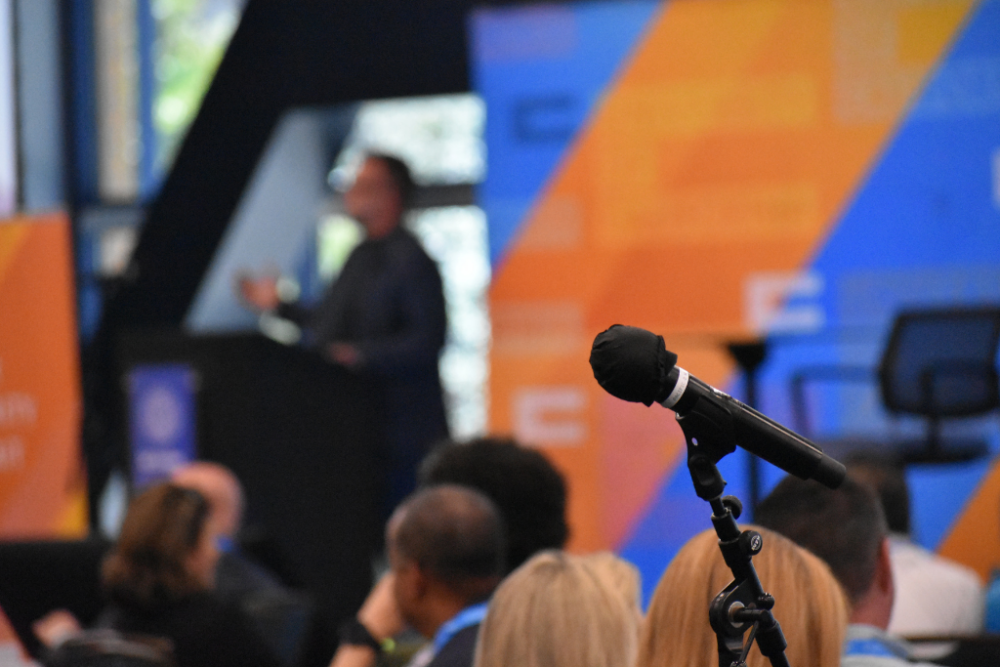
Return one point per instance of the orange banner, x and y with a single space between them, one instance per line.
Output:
42 487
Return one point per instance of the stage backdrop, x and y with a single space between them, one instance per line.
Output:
42 491
718 171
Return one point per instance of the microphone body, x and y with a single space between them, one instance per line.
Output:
755 432
634 365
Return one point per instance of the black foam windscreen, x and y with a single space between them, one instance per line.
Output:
631 363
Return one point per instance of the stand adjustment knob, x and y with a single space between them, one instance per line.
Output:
751 542
734 505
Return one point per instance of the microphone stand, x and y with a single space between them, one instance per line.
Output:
743 604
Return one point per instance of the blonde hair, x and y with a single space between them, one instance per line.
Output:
809 605
560 609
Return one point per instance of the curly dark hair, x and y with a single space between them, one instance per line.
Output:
528 490
147 567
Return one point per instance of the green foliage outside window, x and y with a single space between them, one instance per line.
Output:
192 35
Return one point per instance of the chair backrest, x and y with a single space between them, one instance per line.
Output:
38 577
107 648
282 617
942 362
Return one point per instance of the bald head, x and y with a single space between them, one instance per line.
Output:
221 489
455 535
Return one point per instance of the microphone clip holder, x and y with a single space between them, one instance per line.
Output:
743 604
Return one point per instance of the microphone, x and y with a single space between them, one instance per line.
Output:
634 365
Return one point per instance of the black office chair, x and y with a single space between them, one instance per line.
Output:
938 364
107 648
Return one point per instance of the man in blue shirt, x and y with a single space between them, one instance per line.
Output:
845 527
446 551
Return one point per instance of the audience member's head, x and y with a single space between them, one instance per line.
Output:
220 488
560 609
446 547
529 492
621 575
809 605
887 478
844 527
165 551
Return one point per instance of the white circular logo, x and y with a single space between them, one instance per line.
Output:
160 415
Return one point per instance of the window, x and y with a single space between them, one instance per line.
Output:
191 36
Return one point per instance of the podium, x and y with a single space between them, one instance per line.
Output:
304 438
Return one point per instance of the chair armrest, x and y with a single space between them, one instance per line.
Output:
821 373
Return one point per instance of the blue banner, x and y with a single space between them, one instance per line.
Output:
162 428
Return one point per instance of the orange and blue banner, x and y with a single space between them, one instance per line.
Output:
720 171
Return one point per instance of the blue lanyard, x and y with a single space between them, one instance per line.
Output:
874 646
225 544
468 616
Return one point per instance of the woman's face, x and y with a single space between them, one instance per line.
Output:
202 561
